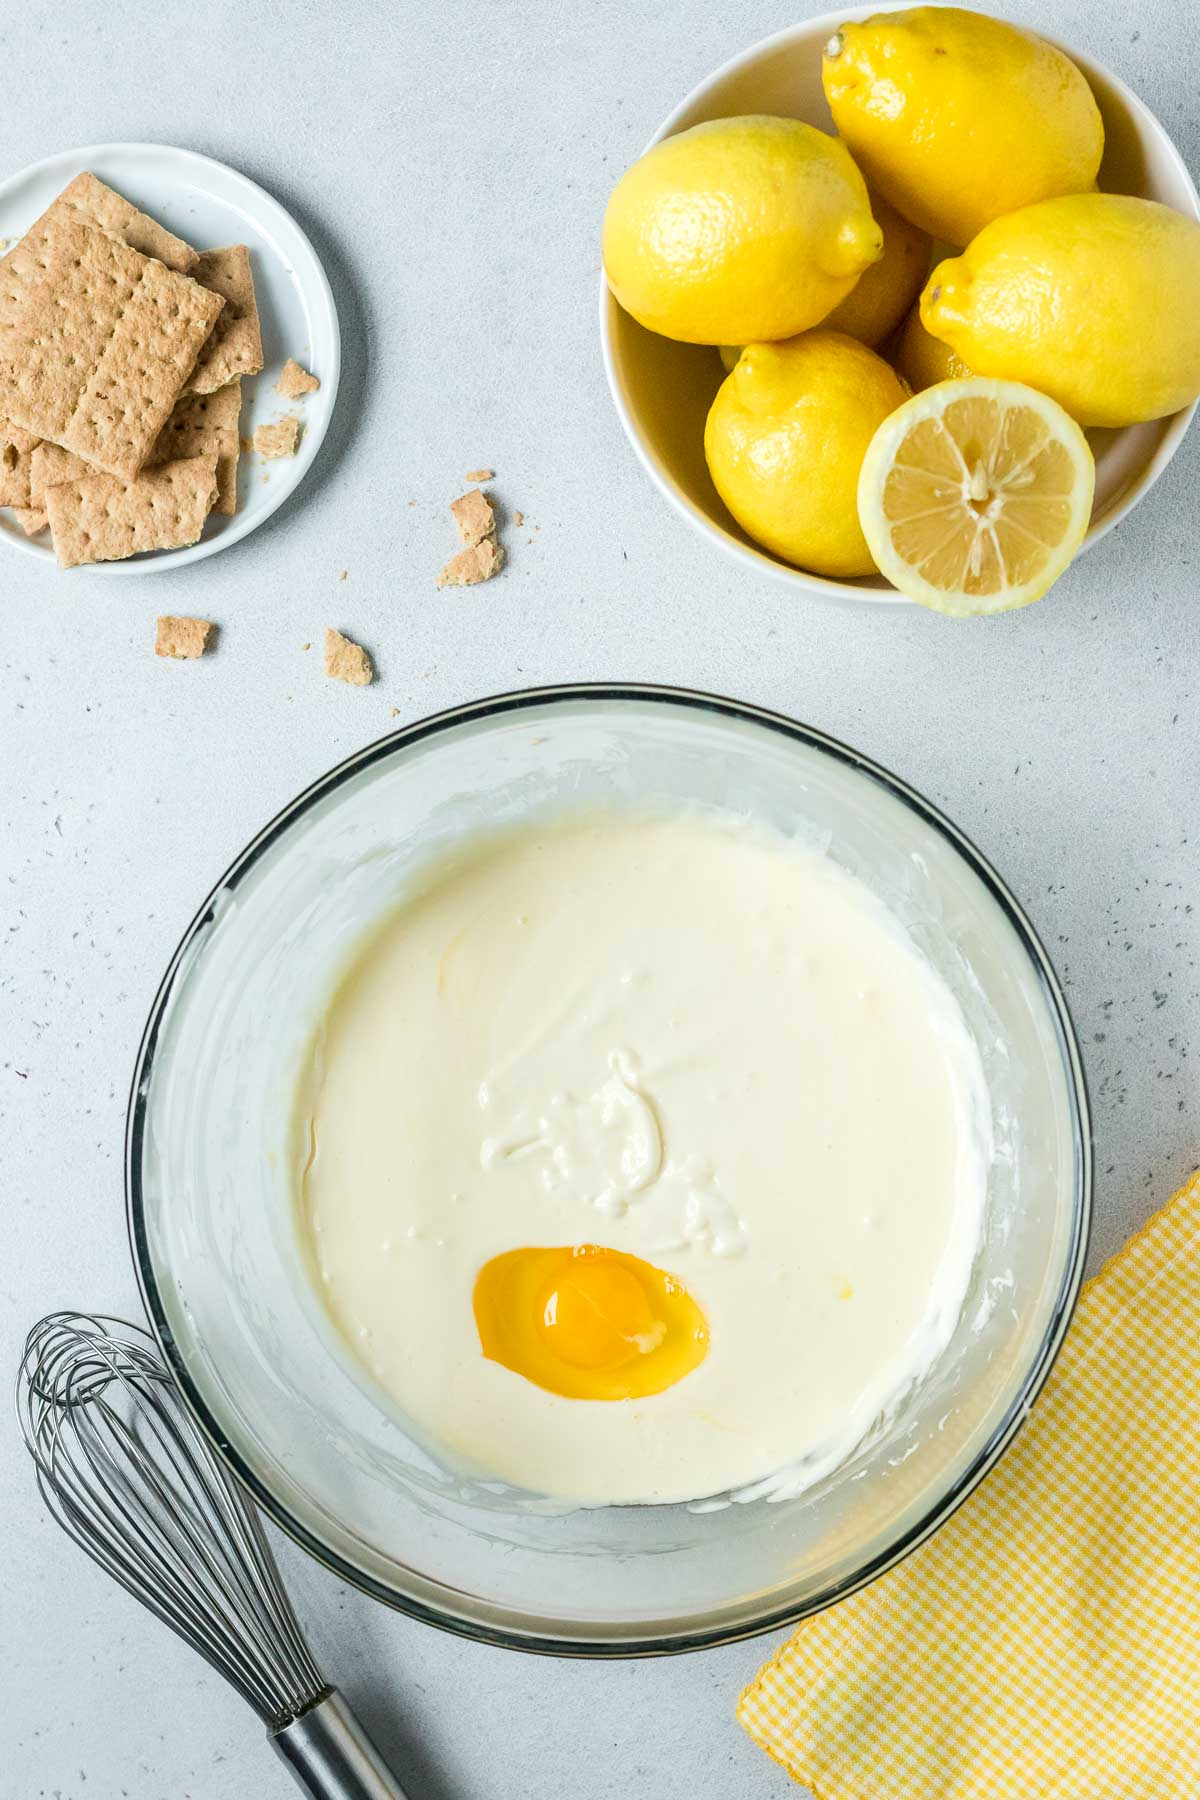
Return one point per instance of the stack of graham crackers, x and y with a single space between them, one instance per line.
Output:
121 356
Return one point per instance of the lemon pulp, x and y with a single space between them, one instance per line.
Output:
975 495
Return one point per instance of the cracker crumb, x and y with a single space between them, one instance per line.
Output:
480 474
474 517
395 712
306 646
518 518
479 562
344 575
295 381
182 638
279 438
347 661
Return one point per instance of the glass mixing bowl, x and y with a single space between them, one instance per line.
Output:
210 1209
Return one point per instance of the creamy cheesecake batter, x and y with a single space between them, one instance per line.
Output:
680 1038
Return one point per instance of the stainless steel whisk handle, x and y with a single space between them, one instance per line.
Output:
331 1756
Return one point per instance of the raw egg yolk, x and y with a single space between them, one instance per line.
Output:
588 1323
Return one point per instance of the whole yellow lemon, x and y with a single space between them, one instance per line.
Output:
1094 299
922 360
739 230
957 118
785 441
883 293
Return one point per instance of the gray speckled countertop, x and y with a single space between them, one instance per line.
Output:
451 163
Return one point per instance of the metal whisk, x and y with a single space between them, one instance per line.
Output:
128 1475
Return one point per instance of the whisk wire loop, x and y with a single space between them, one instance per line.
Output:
125 1472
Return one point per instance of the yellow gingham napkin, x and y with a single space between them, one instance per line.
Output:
1045 1643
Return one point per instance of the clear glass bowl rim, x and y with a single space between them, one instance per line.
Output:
772 1618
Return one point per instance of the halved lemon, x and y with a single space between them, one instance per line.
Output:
975 495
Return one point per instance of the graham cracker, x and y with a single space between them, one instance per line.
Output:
295 381
235 347
474 517
279 439
199 425
16 452
31 520
51 465
98 346
205 425
471 566
101 519
182 637
85 201
347 661
102 206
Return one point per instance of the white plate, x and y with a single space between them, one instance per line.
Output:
209 205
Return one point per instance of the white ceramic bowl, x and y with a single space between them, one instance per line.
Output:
663 390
